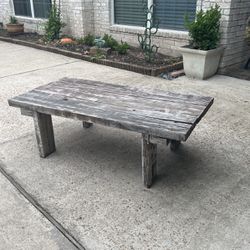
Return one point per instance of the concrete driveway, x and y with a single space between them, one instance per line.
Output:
92 184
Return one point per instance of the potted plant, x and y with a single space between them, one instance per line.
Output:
202 56
14 27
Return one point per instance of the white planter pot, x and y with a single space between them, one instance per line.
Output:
201 64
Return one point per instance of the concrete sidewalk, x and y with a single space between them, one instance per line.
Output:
92 184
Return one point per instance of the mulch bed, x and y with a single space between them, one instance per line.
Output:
133 60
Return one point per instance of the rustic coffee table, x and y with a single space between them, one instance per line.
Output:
157 116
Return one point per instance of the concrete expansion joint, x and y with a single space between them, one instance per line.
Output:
34 70
42 210
16 139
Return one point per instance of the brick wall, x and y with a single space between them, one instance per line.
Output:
233 25
95 16
168 41
237 51
5 11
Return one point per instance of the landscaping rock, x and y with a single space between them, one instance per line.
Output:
177 73
66 40
95 50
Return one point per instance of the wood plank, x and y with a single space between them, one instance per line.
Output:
26 112
119 92
72 102
162 114
149 161
170 111
166 129
156 94
87 124
174 113
44 134
132 94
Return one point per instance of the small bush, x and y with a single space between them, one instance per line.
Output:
54 24
110 41
98 55
99 42
13 20
122 48
205 30
80 41
89 40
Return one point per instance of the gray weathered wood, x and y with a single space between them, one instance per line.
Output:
174 145
26 112
44 134
157 116
165 115
87 124
149 161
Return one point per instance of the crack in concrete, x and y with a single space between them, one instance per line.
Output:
15 139
34 70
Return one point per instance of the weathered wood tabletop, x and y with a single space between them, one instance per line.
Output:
161 114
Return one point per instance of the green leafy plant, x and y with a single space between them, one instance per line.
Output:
99 42
145 39
13 20
98 55
122 48
54 24
110 41
205 30
89 40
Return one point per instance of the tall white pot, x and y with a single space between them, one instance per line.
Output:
201 64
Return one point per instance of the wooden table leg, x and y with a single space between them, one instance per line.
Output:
44 134
87 124
149 161
174 145
247 64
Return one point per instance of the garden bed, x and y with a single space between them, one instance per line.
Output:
132 61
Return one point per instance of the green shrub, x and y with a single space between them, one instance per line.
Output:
89 40
54 24
122 48
80 40
205 30
110 41
98 55
99 42
13 20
